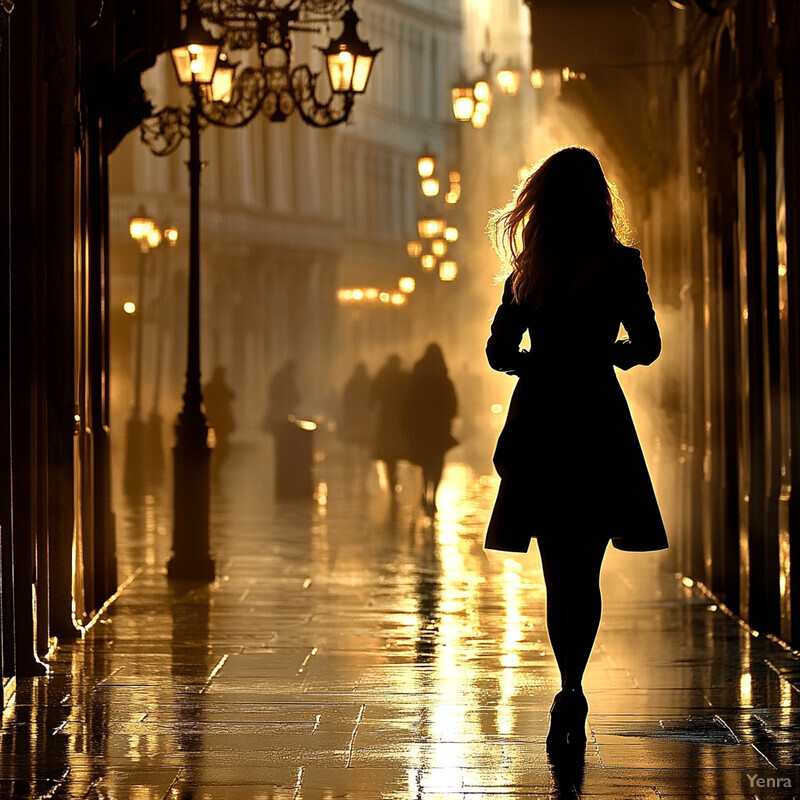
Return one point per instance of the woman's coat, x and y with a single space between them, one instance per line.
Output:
568 456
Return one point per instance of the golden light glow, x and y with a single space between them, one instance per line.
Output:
140 227
454 176
344 295
686 581
508 81
565 74
453 195
746 689
463 103
407 284
430 227
451 234
448 270
430 187
222 82
482 93
154 238
537 79
171 235
341 67
426 164
129 307
497 408
480 115
384 297
428 262
358 294
399 299
438 247
195 63
414 249
371 293
782 270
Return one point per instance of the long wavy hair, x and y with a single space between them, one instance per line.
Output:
562 219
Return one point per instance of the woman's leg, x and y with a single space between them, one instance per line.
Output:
435 467
574 604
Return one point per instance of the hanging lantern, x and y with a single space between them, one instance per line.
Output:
195 57
463 103
508 81
414 249
438 247
448 270
426 165
349 59
430 187
222 82
428 262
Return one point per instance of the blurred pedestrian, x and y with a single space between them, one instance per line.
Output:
283 396
355 420
573 474
218 400
387 396
430 408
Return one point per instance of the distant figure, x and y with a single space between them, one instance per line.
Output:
387 396
429 411
283 395
355 419
218 398
573 474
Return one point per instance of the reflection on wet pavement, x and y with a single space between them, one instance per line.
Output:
353 648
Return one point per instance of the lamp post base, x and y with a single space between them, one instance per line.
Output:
191 558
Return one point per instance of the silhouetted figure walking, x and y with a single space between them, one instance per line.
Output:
387 396
430 408
218 398
573 473
355 424
283 396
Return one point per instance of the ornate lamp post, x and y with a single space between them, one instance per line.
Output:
226 96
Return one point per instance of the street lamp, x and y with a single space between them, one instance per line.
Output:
195 60
348 58
141 228
225 95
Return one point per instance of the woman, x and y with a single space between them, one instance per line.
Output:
429 411
572 471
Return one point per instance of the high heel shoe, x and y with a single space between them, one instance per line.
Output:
567 722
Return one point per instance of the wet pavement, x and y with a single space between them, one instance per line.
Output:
353 648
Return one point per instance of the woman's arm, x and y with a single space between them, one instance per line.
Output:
508 327
643 344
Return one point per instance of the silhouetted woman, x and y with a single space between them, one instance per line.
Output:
430 408
572 471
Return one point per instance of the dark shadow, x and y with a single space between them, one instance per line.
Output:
567 770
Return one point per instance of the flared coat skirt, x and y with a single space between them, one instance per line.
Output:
571 464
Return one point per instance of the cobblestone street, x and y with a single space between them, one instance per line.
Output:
353 648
